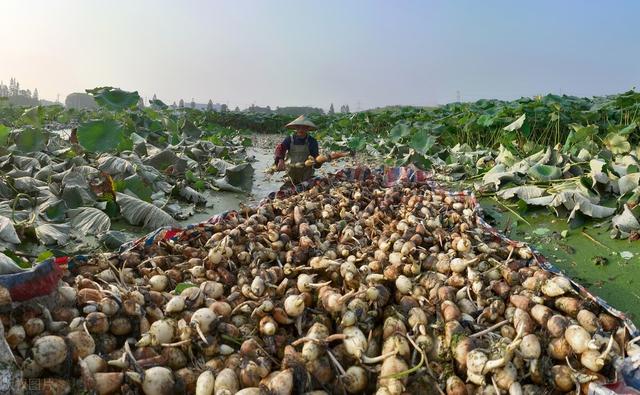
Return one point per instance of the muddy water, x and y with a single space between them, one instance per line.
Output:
261 185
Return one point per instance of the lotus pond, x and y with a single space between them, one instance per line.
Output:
559 172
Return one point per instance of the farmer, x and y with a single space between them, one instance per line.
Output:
298 148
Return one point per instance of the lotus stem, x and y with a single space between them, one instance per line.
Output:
489 329
335 362
200 333
412 369
176 344
512 211
379 358
585 234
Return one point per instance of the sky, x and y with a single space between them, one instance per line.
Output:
364 53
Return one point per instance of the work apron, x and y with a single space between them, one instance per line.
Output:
299 153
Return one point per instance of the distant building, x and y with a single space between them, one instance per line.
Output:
80 101
203 106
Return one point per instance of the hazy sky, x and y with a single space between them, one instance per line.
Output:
317 52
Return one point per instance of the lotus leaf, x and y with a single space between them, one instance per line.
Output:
8 265
597 174
584 155
517 124
524 192
628 129
191 195
189 130
544 172
89 221
53 233
505 156
114 239
53 209
223 184
158 104
30 139
626 221
497 175
541 200
8 231
591 210
617 143
28 184
115 166
240 175
4 134
101 136
113 98
421 142
628 183
162 160
399 131
139 212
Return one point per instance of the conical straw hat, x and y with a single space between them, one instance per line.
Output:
301 121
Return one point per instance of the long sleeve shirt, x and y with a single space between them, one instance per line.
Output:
282 148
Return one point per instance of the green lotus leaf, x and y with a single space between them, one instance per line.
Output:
158 104
505 156
399 131
188 129
628 129
541 200
113 98
33 116
30 139
4 134
544 172
422 142
497 175
101 136
617 143
137 186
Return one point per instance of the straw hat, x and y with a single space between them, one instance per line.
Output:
301 122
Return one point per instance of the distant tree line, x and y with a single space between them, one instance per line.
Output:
284 110
294 110
343 109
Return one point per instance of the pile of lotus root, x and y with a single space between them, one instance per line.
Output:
346 288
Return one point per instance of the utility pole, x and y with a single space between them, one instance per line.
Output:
58 98
458 96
